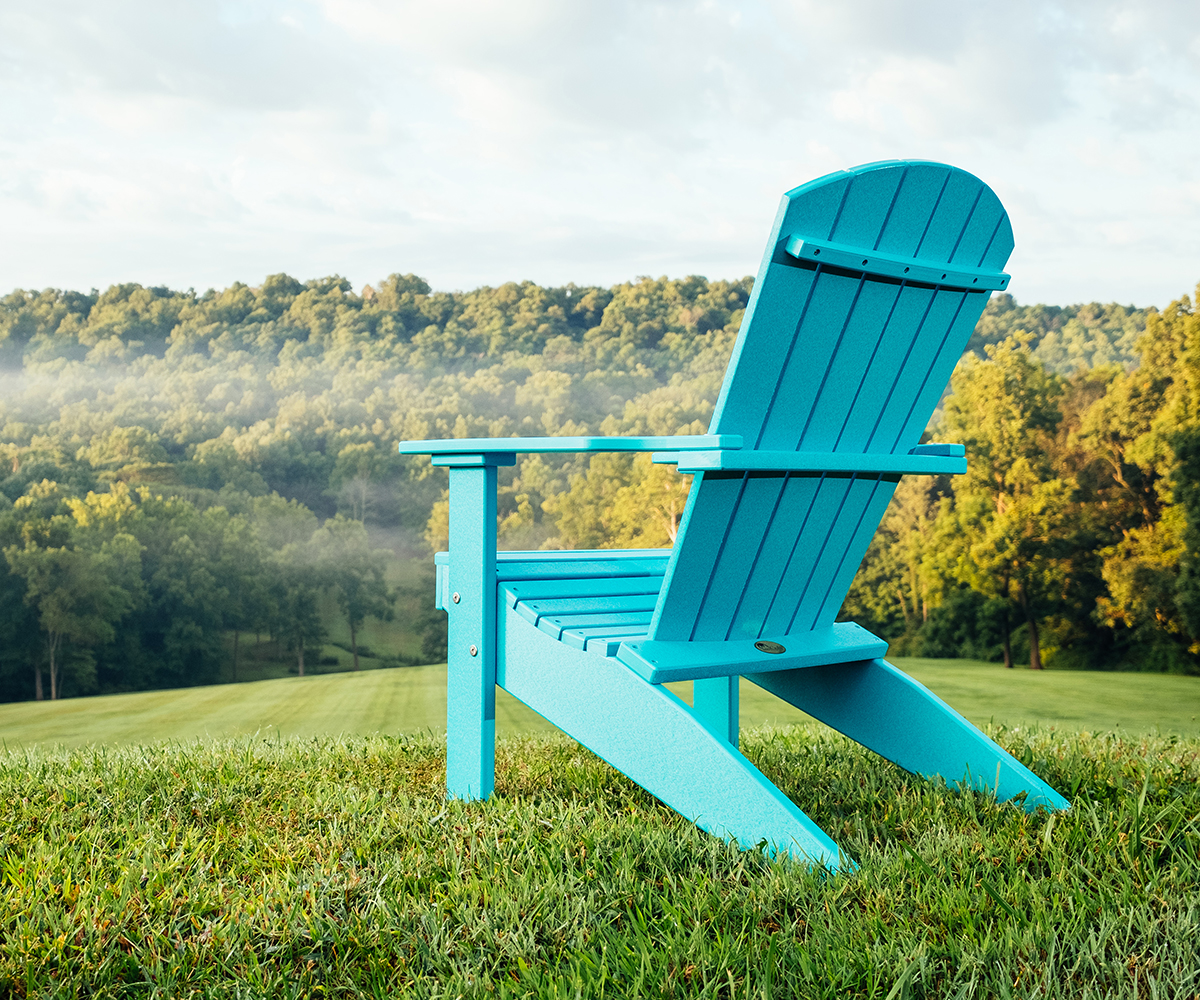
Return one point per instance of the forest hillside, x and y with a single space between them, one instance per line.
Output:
181 468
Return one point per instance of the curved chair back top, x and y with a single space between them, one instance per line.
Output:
872 282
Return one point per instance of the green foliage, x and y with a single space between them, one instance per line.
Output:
1066 339
343 549
280 405
336 867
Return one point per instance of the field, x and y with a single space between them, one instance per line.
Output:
413 700
296 849
335 868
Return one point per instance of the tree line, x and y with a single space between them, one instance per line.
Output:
127 589
212 420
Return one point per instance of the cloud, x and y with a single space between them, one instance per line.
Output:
197 143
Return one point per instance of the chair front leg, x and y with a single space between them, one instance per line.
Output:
471 648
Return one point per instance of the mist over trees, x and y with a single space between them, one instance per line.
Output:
177 469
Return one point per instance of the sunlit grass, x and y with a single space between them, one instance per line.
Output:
335 867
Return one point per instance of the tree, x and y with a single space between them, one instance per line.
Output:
244 573
76 594
1011 505
296 588
343 551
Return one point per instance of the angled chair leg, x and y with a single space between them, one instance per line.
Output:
715 700
887 711
646 732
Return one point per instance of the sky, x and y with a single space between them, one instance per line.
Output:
194 144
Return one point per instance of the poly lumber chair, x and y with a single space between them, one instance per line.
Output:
872 282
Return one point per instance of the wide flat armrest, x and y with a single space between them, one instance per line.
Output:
923 462
459 451
660 661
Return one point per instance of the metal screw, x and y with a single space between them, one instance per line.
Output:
455 597
474 650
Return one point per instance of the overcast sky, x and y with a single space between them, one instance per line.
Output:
198 143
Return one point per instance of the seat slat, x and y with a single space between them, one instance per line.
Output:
578 638
580 569
534 610
609 644
528 590
575 555
556 625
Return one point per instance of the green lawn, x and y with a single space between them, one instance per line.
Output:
412 699
332 867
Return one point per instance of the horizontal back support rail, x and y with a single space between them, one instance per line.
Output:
883 265
919 464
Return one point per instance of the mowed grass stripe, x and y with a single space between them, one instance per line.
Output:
413 699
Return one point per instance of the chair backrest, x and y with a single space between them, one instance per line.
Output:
841 353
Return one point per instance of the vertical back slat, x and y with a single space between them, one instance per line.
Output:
805 605
807 550
866 326
707 515
886 367
911 211
756 505
811 352
794 508
843 575
929 340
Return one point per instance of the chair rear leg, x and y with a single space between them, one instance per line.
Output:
887 711
715 700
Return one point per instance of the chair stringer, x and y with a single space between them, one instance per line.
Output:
887 711
654 738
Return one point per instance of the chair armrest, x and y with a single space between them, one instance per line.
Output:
503 451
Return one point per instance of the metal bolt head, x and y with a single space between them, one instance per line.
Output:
454 597
474 650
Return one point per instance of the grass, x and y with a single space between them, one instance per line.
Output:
335 868
413 699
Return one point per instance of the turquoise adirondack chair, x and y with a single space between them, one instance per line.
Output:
872 282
